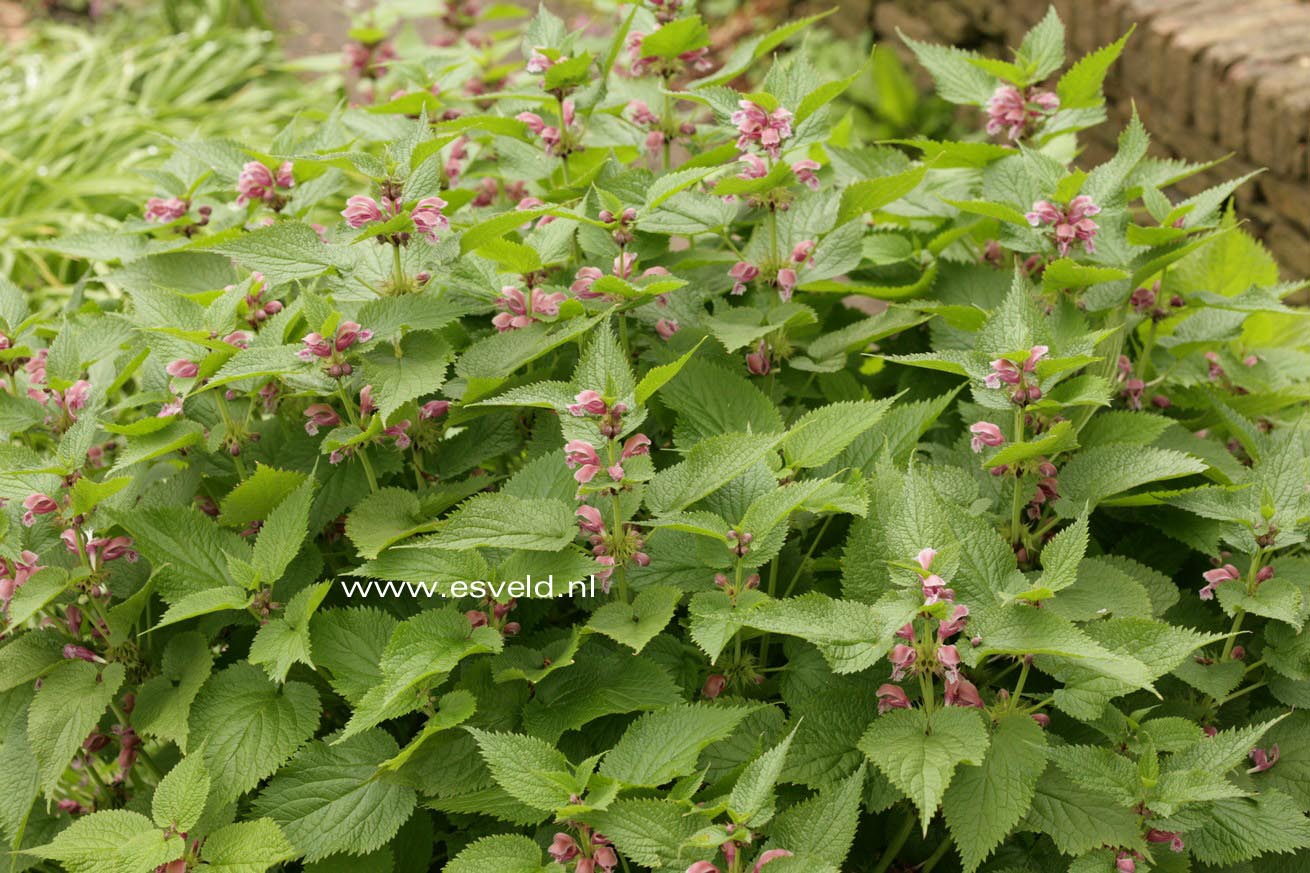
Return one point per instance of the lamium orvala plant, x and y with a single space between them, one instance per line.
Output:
933 505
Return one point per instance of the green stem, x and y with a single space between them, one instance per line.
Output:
1232 640
1144 356
897 843
1241 691
398 268
926 691
1018 686
1016 501
669 128
771 588
362 454
808 554
937 855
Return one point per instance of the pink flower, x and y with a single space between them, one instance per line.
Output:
37 504
891 697
804 171
665 328
1217 577
742 273
1071 225
948 629
935 590
757 362
349 333
637 444
591 519
428 219
1124 863
255 182
702 867
285 177
1174 839
802 252
586 277
182 369
949 658
433 409
81 653
237 339
1013 110
361 210
14 576
399 432
755 167
1043 720
588 403
985 434
902 658
172 407
1264 760
563 848
320 415
925 558
714 686
786 283
164 211
74 399
315 347
771 855
538 64
962 692
582 455
112 549
765 129
516 303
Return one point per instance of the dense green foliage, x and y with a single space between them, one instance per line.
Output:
945 501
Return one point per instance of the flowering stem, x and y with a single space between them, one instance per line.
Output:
1023 677
619 566
1016 501
362 453
1144 356
1238 616
398 267
232 433
937 855
668 128
1238 693
925 688
897 842
773 237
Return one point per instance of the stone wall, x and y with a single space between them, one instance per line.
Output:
1209 77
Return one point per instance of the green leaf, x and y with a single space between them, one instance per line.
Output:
1062 555
246 727
505 853
207 602
111 841
1077 819
254 498
401 372
984 803
871 195
711 464
661 746
751 801
505 522
1080 86
672 39
919 752
69 704
282 534
596 686
180 797
958 80
531 770
1042 50
1104 471
657 377
1061 437
422 652
163 702
87 493
246 847
284 252
650 832
285 640
821 434
329 799
1242 828
825 825
636 624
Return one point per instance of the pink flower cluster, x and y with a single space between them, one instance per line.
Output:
582 455
730 850
163 211
1017 112
258 182
1228 573
553 138
522 309
985 434
756 127
1020 376
100 549
1072 224
601 855
14 574
427 216
624 267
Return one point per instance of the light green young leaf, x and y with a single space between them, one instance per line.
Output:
180 797
637 623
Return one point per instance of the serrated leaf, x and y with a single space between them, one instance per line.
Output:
661 746
180 797
636 624
919 752
69 704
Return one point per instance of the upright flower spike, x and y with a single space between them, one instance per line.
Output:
1016 112
1070 225
757 127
